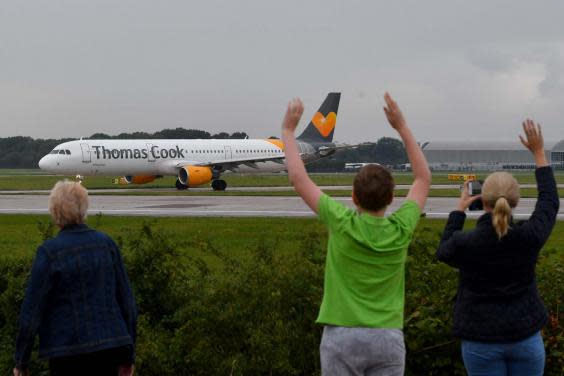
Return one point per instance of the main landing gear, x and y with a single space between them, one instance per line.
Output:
180 186
219 185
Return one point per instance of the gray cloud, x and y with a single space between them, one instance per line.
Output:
491 60
460 69
553 84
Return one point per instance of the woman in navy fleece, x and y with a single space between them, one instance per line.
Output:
78 298
498 312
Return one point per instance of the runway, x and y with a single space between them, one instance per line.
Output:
223 206
240 189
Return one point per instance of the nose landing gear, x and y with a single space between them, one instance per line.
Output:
180 186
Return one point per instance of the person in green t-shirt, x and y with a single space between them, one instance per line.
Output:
363 297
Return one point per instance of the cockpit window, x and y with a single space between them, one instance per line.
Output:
68 152
61 151
55 151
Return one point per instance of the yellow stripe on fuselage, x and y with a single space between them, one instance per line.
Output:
276 142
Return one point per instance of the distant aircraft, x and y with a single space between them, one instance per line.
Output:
358 165
194 162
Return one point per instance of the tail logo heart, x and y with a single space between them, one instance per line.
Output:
324 124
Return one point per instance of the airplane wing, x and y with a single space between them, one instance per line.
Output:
230 164
327 150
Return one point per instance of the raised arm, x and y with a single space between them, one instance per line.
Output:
421 173
546 209
534 141
297 173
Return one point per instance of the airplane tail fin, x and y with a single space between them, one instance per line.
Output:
322 124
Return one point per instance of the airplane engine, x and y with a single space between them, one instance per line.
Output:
192 176
139 179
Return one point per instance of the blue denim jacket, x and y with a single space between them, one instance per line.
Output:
78 298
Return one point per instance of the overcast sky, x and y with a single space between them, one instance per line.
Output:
459 69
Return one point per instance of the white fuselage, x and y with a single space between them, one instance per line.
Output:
163 157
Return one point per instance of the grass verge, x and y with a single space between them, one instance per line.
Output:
21 234
33 180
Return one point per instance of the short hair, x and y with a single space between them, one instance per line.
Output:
373 187
68 203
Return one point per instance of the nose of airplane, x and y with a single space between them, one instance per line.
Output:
42 163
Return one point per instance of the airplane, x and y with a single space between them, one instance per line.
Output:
194 162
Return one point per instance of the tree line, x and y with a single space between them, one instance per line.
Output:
386 151
25 152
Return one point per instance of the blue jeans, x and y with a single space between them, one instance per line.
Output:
522 358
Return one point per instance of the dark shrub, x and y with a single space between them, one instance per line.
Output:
203 311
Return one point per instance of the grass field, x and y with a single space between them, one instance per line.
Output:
34 179
20 233
20 171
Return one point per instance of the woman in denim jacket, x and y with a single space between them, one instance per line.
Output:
498 312
78 297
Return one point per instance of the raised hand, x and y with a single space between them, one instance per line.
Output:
293 115
422 175
393 113
533 133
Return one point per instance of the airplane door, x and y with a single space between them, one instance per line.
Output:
150 157
228 153
86 156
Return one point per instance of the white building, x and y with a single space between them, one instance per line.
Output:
472 155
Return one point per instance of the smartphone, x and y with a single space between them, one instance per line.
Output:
474 189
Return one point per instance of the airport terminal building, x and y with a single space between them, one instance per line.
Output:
489 156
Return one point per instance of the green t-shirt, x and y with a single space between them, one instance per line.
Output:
365 267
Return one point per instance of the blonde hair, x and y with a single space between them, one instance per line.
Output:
501 193
68 203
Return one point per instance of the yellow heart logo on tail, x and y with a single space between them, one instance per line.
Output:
324 124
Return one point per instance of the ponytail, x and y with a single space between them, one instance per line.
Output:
501 216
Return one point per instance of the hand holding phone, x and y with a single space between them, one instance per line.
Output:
470 197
